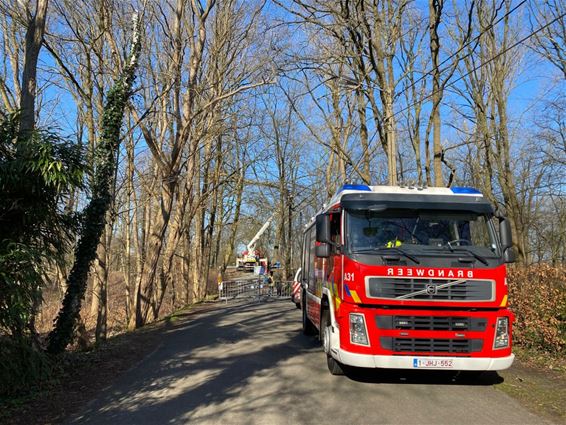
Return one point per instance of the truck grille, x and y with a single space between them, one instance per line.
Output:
392 288
430 345
431 323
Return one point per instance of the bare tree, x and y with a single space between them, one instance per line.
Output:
195 71
489 72
550 42
95 213
35 22
368 34
20 93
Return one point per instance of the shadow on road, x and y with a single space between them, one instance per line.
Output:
236 360
196 366
422 377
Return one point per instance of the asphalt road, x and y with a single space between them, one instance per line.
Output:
250 364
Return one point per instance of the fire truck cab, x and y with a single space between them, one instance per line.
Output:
409 278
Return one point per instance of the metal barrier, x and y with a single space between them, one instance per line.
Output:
255 288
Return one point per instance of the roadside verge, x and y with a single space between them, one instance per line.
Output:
86 373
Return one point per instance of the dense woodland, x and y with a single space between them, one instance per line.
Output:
168 131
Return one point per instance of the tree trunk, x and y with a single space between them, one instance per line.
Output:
390 136
99 306
95 212
234 228
435 12
34 41
146 280
364 137
128 228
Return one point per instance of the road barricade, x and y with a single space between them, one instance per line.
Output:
255 288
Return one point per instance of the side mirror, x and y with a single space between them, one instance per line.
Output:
505 234
509 254
323 228
322 250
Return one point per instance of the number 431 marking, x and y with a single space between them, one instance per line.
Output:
348 277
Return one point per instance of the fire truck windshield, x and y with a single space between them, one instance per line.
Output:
420 232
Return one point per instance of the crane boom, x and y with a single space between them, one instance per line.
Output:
260 232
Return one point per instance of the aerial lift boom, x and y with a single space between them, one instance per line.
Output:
251 245
249 260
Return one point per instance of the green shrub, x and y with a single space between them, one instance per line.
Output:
38 173
537 296
23 367
20 287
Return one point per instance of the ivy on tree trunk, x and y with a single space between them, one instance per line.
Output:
94 216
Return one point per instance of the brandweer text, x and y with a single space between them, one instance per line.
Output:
406 272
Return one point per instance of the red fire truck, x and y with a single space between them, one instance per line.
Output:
409 278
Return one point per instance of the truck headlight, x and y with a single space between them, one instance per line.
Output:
501 333
358 332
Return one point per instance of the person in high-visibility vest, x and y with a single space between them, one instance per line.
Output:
389 238
393 243
220 280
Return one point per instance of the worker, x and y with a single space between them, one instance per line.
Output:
278 278
438 232
270 282
393 243
389 238
220 280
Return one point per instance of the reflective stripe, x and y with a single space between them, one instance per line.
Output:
355 296
296 288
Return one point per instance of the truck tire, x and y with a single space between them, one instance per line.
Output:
334 366
308 327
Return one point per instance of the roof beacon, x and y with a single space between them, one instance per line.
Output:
466 190
355 187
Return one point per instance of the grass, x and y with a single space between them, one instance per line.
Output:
538 381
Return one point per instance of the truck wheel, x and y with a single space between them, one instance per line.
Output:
308 327
334 366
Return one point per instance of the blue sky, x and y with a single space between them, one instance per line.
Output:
536 82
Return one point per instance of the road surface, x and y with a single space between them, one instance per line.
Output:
250 364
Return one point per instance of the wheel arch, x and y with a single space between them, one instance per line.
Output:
326 303
335 334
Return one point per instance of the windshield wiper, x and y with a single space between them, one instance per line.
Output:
472 253
402 252
384 248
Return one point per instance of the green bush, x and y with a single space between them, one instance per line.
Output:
537 296
20 287
37 173
23 367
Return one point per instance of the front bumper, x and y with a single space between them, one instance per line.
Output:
407 362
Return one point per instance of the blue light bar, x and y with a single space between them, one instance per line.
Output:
466 190
355 187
